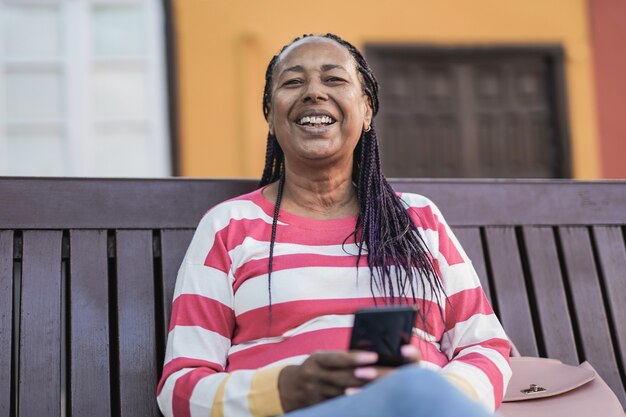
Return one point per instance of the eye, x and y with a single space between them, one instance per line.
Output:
292 82
335 80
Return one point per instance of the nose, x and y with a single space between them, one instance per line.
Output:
315 90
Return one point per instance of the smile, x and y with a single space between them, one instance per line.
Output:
315 121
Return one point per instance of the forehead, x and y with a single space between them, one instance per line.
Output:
313 52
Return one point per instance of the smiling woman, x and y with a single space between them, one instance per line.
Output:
266 295
318 108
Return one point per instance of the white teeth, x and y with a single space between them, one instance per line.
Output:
316 120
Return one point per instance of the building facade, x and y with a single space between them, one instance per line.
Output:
469 88
518 89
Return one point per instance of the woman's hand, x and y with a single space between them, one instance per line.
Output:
322 376
370 373
326 375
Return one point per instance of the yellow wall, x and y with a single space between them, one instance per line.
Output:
223 48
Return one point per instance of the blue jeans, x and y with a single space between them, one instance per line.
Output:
409 392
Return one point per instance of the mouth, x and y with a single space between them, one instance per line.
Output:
316 120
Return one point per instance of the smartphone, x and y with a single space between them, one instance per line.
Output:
383 330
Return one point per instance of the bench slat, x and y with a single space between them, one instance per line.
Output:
79 203
469 237
509 286
551 300
174 244
89 316
6 320
40 335
588 306
612 258
136 328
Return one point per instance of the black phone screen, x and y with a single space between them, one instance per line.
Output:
383 330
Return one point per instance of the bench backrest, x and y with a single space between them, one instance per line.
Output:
87 271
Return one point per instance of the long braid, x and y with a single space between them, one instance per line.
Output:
396 251
266 178
279 197
274 161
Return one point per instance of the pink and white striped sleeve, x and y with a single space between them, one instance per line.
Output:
474 340
194 381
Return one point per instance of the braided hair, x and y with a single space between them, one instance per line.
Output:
395 250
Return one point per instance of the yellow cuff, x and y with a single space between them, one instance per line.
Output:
462 384
264 398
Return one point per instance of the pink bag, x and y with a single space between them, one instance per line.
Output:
543 387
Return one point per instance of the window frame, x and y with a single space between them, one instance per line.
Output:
552 54
77 63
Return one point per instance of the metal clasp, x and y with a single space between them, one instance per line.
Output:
533 389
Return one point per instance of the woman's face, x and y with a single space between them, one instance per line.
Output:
318 107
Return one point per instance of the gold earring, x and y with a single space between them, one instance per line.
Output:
368 128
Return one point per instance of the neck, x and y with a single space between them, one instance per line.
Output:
320 194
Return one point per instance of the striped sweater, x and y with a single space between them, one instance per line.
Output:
224 353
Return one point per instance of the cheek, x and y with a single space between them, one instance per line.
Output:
356 105
280 110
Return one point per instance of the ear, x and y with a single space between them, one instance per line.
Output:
369 113
269 120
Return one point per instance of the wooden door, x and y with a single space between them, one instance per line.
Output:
471 112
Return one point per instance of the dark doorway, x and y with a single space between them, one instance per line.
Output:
472 111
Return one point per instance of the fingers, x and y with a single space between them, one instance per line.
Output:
325 375
353 359
370 373
332 391
341 379
344 360
335 370
411 353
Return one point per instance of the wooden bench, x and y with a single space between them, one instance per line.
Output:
87 270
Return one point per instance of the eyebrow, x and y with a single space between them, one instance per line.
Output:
329 67
325 68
